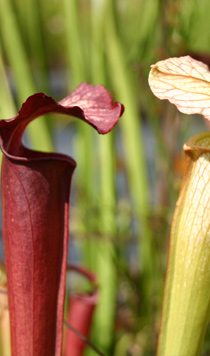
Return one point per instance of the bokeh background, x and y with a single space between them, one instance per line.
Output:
126 183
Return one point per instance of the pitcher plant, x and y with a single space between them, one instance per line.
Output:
185 82
35 189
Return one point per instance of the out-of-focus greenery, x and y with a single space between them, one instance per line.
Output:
127 182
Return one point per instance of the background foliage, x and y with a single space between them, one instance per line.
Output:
126 184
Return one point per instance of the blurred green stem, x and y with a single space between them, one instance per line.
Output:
134 148
105 250
7 105
75 52
21 71
85 136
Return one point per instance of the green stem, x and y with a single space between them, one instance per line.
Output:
105 250
85 135
18 61
75 50
133 146
7 105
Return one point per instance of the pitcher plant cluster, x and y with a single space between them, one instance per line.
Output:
35 190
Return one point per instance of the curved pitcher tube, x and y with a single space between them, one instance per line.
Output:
186 307
35 206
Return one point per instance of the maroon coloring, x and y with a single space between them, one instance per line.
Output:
80 314
35 190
